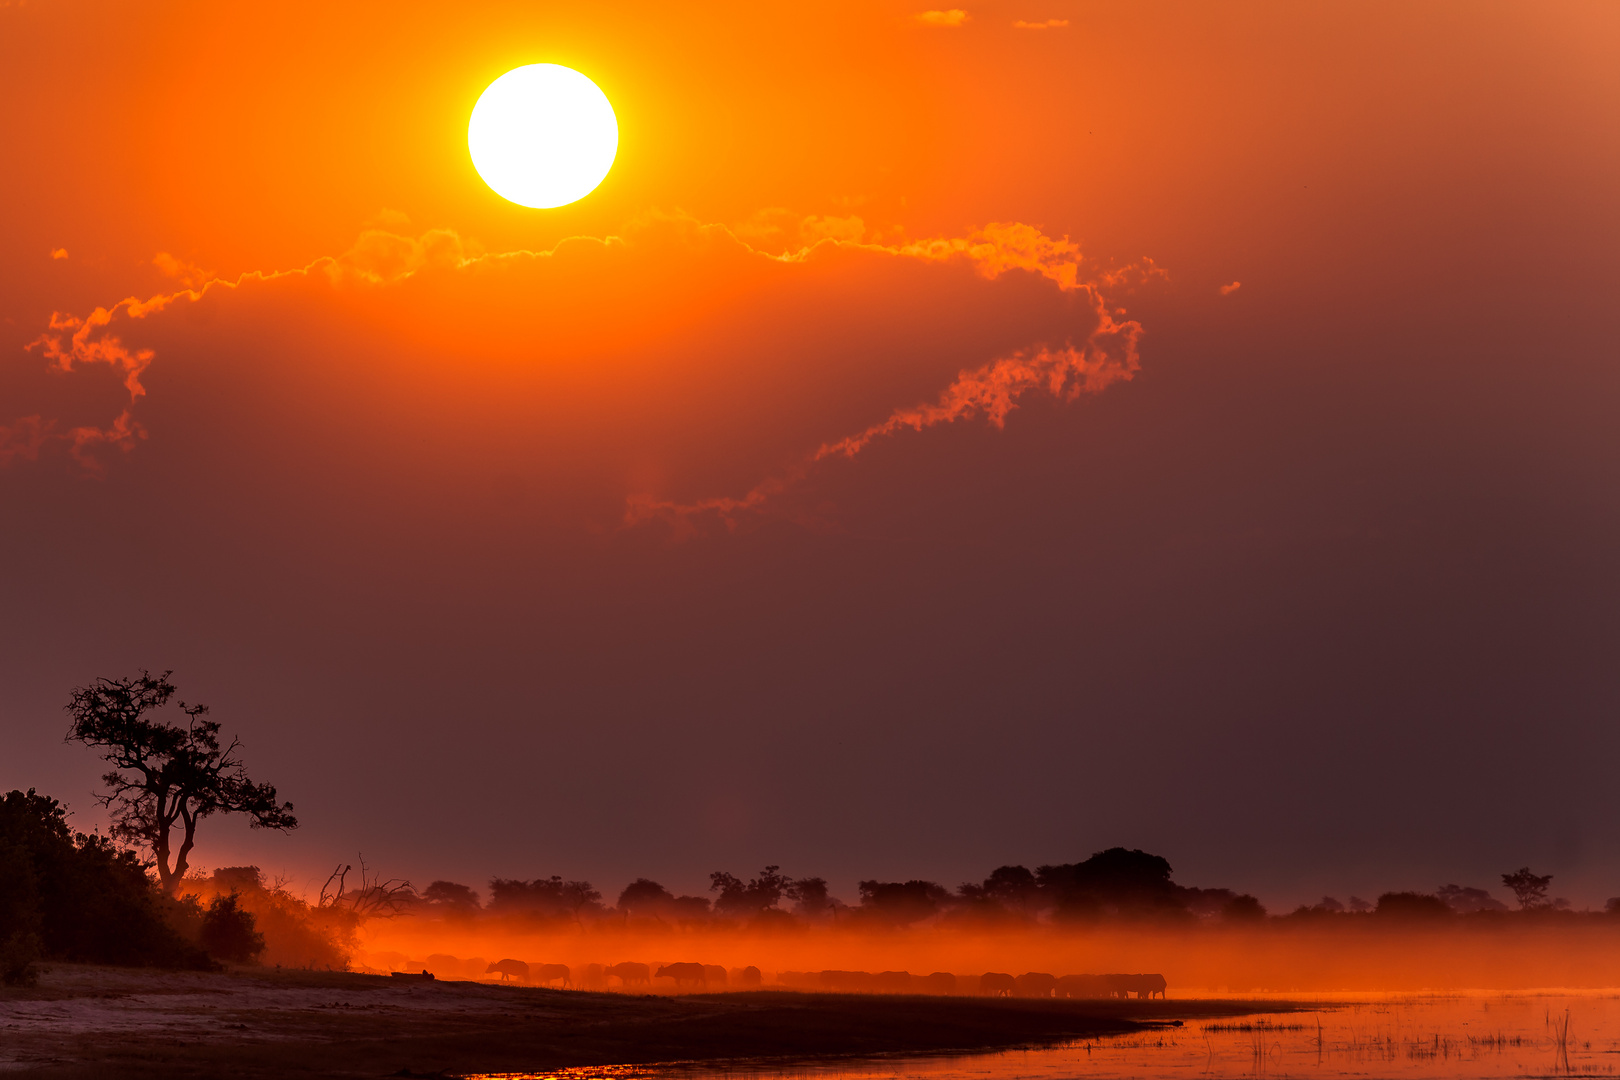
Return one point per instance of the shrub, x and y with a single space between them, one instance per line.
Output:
228 932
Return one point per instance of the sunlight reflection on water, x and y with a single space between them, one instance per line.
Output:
1496 1035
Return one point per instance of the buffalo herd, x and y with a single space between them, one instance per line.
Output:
706 977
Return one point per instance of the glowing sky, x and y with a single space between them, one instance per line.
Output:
944 439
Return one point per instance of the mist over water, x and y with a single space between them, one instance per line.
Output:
1358 955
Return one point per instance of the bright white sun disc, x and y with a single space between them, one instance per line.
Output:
543 135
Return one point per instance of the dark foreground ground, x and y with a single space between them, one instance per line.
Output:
82 1022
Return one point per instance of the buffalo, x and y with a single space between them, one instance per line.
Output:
509 969
631 974
1035 984
550 973
746 977
997 984
892 982
1143 986
940 982
846 981
1083 986
714 974
593 977
683 974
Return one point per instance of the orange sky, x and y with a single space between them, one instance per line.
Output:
431 480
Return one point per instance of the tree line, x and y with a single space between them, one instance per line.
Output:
124 899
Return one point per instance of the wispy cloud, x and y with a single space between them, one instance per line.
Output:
1228 290
1049 24
951 17
1091 348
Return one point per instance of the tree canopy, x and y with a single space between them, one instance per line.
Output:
165 775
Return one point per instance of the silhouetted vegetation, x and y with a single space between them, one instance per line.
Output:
166 776
1530 890
66 895
228 932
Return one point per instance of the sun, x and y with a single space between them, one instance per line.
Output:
543 135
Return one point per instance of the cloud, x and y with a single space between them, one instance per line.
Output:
950 18
1049 24
1228 290
59 253
672 360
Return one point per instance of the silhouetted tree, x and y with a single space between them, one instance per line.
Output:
1530 890
1127 882
545 897
902 901
757 896
809 896
451 895
1243 908
1465 899
166 775
1008 889
229 933
1412 907
644 896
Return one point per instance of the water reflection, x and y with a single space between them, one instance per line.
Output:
1397 1036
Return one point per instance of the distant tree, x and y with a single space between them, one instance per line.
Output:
644 896
1358 905
1008 888
1118 880
1330 905
544 897
1465 899
754 897
1530 890
902 902
1412 906
809 896
1243 908
166 776
451 895
1611 906
1207 903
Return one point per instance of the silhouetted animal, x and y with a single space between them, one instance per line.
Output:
892 982
683 974
714 975
997 984
1147 986
940 982
799 980
1035 984
550 973
1083 986
746 977
593 977
1143 986
846 981
630 974
509 969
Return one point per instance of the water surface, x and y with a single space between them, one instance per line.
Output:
1427 1036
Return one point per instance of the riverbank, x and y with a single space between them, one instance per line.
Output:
83 1021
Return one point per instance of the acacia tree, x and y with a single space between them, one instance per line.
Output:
1530 890
166 777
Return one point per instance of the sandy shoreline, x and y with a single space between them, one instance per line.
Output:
83 1021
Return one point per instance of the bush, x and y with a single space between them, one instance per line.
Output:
82 898
228 932
17 955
